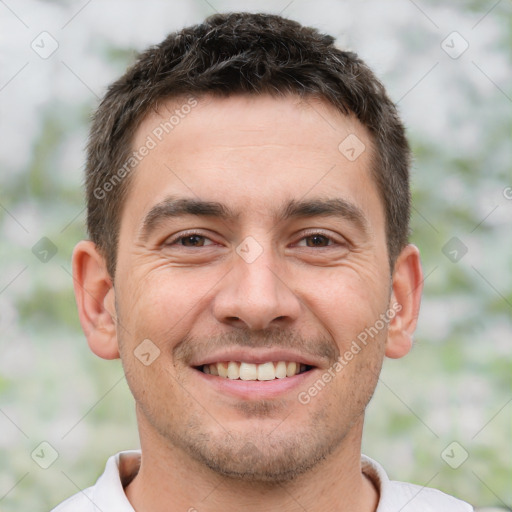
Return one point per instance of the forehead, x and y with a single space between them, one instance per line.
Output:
250 151
239 119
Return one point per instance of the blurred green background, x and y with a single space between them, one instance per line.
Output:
448 67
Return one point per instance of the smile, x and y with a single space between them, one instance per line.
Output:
270 370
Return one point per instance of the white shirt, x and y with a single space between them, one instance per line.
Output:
107 495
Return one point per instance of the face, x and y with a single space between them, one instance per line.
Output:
252 254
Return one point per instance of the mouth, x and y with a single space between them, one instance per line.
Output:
256 374
267 371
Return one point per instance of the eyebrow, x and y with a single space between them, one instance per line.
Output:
173 207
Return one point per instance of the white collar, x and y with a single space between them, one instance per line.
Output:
108 492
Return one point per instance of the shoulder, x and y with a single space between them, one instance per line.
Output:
80 502
412 498
108 491
404 497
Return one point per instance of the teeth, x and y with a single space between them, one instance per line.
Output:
281 370
250 371
222 370
233 370
266 371
291 369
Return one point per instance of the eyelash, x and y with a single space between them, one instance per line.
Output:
188 234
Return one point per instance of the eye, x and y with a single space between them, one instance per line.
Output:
195 239
190 239
317 240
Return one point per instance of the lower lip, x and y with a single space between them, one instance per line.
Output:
255 389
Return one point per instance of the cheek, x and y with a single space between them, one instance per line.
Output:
345 302
155 313
162 304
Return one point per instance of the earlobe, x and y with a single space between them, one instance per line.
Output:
405 301
95 298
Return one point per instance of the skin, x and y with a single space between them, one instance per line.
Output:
204 446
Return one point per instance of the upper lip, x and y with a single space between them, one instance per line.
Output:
257 356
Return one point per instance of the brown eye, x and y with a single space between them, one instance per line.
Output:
192 241
317 241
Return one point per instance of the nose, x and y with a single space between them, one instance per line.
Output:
256 295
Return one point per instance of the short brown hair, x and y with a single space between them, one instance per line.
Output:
242 53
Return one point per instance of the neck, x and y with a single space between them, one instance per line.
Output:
168 476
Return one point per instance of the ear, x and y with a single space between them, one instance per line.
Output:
405 301
95 298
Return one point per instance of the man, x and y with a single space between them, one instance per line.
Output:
248 206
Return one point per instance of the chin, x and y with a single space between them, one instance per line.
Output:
263 457
254 467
